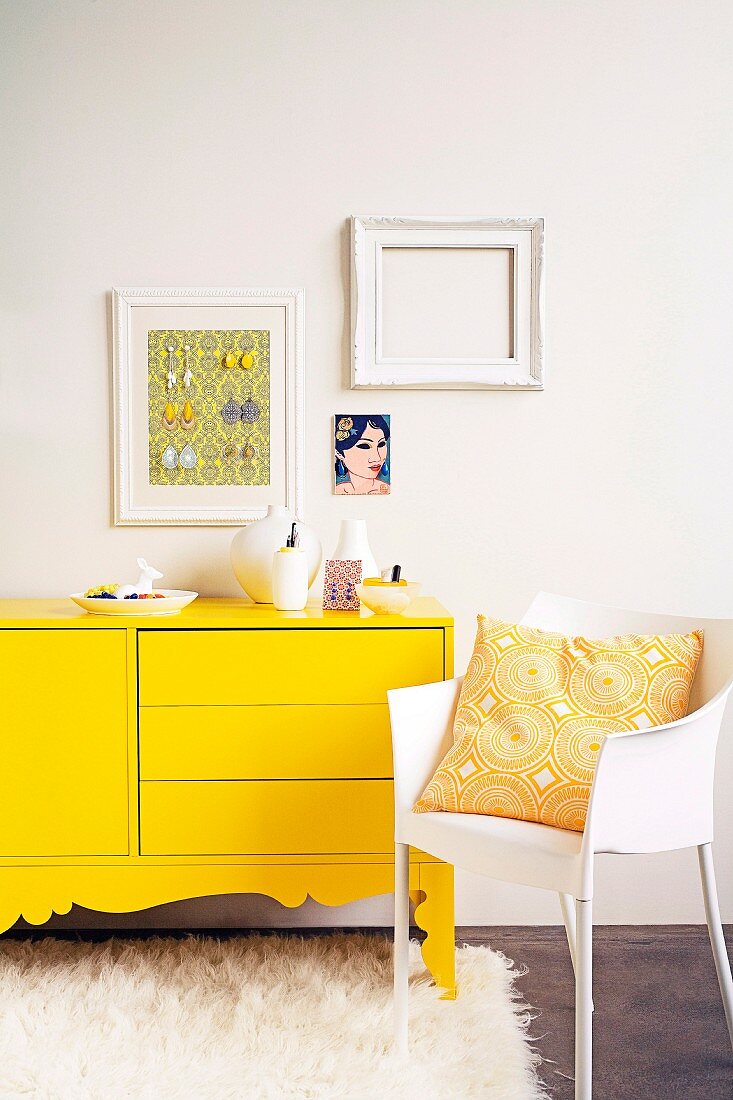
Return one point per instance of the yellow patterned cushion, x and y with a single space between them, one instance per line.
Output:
535 708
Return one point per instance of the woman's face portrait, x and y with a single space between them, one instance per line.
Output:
362 453
366 457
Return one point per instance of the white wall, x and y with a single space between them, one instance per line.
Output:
226 142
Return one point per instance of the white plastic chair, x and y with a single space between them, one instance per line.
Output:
652 792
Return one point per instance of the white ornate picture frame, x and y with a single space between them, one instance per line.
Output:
136 311
480 274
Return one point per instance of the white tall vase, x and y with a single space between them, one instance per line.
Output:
254 546
353 544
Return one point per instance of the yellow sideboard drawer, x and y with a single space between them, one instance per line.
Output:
295 742
63 743
330 665
256 817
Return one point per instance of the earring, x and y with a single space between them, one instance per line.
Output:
248 452
187 376
188 420
169 418
171 371
247 360
231 412
188 458
230 359
170 457
250 410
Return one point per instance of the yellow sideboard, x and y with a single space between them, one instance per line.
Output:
229 749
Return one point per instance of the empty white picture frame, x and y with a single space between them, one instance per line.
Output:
447 303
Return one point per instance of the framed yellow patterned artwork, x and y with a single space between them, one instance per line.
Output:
208 402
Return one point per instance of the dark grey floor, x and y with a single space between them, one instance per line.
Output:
659 1031
659 1028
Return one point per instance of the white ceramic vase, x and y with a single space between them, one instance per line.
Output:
254 546
353 545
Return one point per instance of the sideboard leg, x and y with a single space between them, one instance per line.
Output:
436 916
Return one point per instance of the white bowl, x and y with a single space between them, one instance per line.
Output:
172 602
385 599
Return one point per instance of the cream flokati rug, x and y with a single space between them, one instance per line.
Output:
255 1017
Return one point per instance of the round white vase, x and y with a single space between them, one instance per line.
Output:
353 545
254 546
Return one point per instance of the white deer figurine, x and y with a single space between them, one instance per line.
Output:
144 582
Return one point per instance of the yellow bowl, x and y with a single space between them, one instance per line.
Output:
386 599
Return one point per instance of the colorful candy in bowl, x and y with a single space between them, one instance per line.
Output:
164 601
134 599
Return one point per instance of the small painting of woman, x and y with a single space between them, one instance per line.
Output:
362 455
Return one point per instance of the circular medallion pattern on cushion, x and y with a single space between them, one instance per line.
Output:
566 808
532 635
441 792
669 692
608 683
517 737
685 647
466 725
478 674
501 796
578 743
529 674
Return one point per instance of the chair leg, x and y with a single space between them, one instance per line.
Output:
567 905
401 944
715 930
584 1001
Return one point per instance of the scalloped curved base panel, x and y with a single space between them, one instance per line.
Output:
435 915
35 893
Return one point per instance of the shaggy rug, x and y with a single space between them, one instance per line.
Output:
256 1017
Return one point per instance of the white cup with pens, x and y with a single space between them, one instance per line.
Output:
290 575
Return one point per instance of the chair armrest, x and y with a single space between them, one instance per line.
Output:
653 789
422 732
